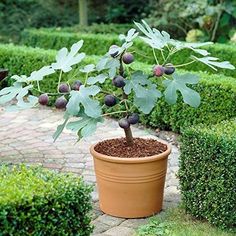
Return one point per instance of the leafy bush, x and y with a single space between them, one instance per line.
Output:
34 201
16 15
119 11
215 18
218 93
47 39
94 28
208 173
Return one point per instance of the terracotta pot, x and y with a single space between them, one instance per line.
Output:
130 187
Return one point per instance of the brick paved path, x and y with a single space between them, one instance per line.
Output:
26 136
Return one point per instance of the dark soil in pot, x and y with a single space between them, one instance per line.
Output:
141 148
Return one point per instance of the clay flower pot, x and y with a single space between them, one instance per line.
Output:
130 187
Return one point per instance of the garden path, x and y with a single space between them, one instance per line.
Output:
26 137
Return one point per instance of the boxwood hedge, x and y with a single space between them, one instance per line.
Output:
102 28
218 92
34 201
208 173
98 44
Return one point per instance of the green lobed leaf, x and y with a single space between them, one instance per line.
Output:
213 63
154 37
190 96
18 92
65 60
85 126
147 98
82 97
138 78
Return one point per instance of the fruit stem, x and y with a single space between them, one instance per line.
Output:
59 81
129 137
154 54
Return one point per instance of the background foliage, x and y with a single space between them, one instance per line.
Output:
214 18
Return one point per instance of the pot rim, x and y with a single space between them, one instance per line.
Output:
107 158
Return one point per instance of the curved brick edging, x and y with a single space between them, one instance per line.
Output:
26 137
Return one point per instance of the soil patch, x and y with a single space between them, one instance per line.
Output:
141 148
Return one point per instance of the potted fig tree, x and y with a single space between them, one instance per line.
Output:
130 171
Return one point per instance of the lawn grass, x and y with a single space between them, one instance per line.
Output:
175 222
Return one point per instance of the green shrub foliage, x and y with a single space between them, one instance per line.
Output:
34 201
208 173
52 39
95 28
218 93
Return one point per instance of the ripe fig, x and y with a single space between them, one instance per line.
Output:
133 119
60 102
43 99
110 100
169 69
128 58
158 70
64 88
124 123
119 81
114 50
76 85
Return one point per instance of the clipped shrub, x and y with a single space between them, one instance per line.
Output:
95 28
97 44
34 201
208 173
218 93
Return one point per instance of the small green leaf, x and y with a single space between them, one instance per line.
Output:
101 65
61 127
113 65
99 78
88 68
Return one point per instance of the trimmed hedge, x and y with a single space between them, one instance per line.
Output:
218 93
95 28
98 44
34 201
208 173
